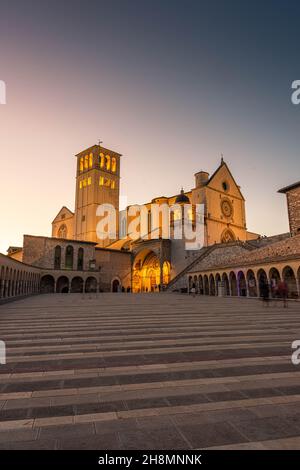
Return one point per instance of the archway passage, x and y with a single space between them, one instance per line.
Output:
226 288
252 287
116 285
47 284
262 281
146 272
242 286
77 285
233 284
290 279
62 285
200 283
206 285
274 276
212 285
91 284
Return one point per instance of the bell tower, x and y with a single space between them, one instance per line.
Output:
97 182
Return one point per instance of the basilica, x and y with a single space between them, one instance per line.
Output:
230 261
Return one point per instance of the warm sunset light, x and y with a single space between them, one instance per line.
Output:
150 231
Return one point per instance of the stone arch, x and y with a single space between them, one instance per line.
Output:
227 236
91 284
252 285
226 288
166 272
212 285
218 283
115 285
200 284
57 257
47 284
69 260
146 271
63 231
289 277
206 285
77 285
233 284
242 286
190 282
262 279
275 278
80 259
62 285
195 283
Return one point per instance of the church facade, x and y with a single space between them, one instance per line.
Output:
74 259
155 262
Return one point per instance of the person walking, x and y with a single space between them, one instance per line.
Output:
283 292
264 291
193 290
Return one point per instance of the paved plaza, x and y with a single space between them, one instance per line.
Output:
148 371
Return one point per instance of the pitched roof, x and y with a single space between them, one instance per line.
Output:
98 148
223 164
289 188
63 207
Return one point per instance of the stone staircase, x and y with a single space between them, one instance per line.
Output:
179 281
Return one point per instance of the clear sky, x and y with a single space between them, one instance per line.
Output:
169 84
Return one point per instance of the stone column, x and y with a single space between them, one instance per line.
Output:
298 286
161 278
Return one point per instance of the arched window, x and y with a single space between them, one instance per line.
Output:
80 259
69 257
57 257
81 165
62 231
86 162
113 164
90 160
102 160
107 160
227 236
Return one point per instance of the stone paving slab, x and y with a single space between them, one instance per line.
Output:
156 371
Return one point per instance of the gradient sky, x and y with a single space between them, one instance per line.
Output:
169 84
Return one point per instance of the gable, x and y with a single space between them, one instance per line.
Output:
63 214
224 176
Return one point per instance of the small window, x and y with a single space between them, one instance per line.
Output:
107 158
113 185
81 165
84 183
113 164
80 184
225 186
89 181
101 181
83 218
90 160
86 162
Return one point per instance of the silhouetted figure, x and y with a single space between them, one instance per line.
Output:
264 291
283 292
193 290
